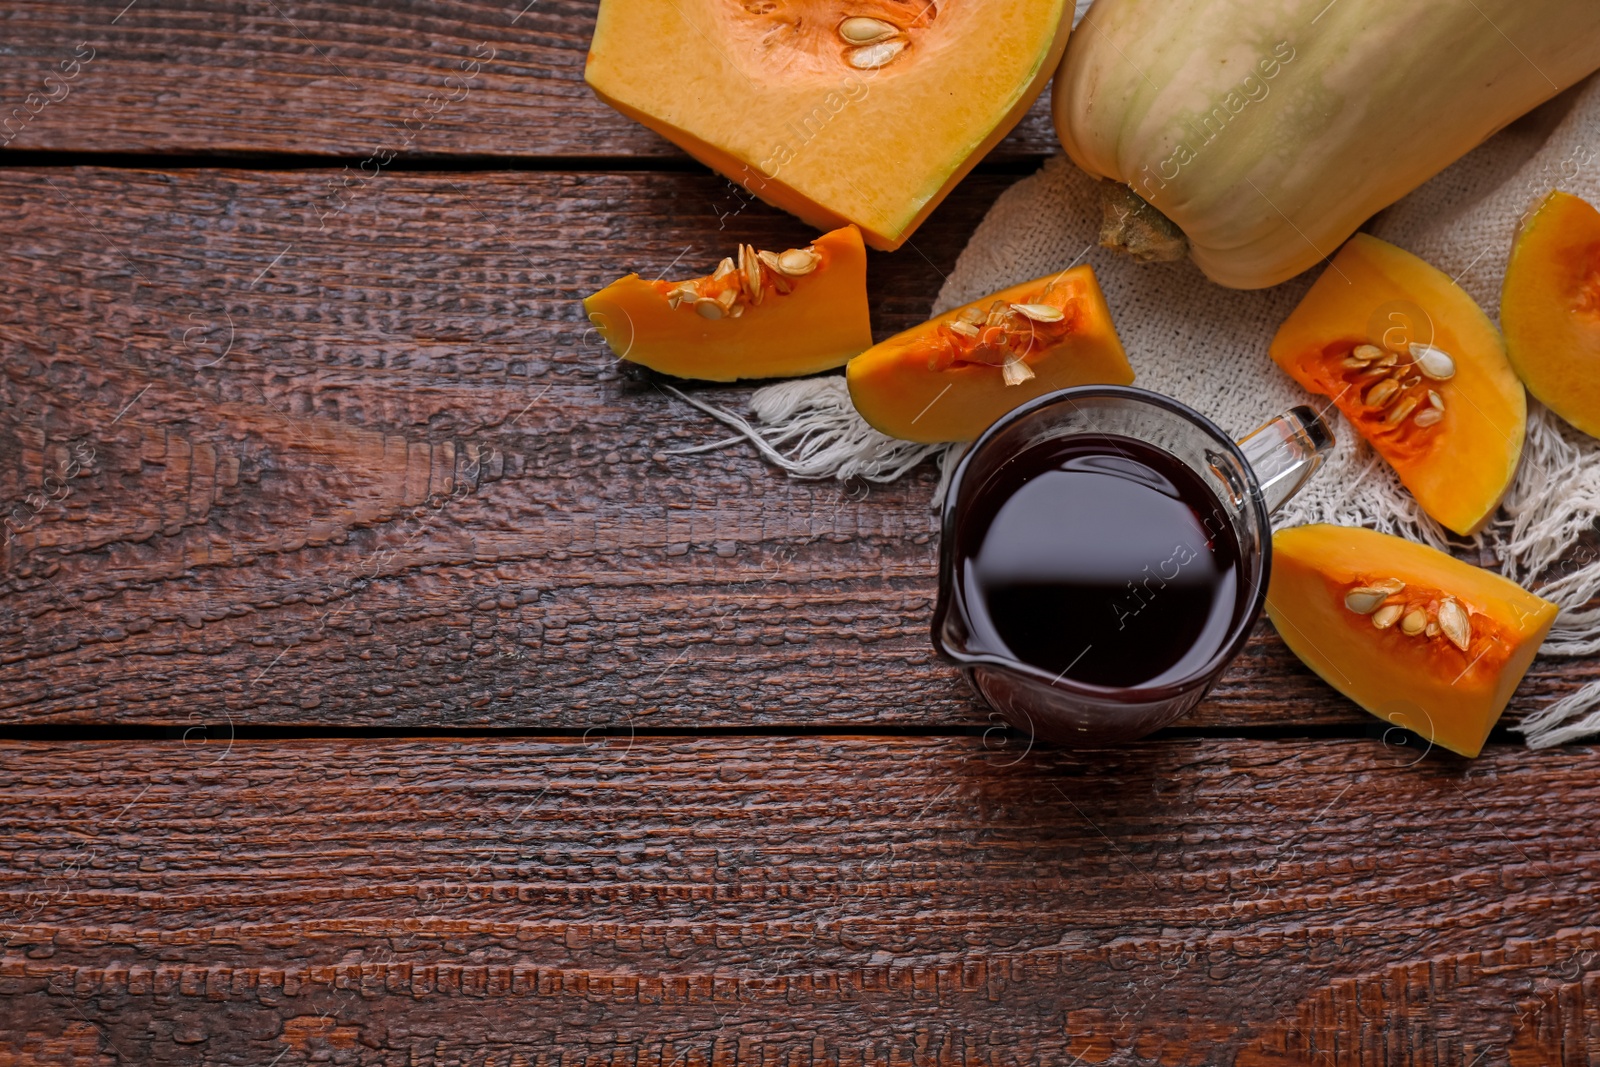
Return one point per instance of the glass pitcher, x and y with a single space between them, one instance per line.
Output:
1249 481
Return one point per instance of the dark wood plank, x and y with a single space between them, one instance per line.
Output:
813 901
416 491
310 505
431 79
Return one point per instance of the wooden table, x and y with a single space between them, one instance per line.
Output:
378 688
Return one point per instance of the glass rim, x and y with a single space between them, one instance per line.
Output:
1202 675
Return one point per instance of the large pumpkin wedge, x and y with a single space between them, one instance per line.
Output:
949 378
1418 370
1267 131
1550 308
1416 637
762 315
866 112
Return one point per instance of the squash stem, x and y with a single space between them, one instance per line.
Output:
1129 224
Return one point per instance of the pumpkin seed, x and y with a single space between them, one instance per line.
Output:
1039 312
1388 359
1352 363
1435 400
965 329
877 55
727 297
1388 615
708 309
798 262
1455 624
681 294
735 311
1433 362
1414 622
973 314
770 259
1364 599
863 30
751 266
1398 413
1432 630
1428 417
1380 395
1366 353
1015 371
725 268
1407 383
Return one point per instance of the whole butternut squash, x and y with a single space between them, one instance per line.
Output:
1268 130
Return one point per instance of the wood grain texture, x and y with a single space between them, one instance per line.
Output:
336 448
424 80
374 468
811 901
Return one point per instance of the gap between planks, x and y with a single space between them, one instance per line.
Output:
421 163
100 732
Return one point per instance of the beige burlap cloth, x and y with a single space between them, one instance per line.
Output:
1207 346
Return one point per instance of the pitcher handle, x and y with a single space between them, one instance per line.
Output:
1285 452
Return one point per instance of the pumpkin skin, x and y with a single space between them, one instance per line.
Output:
819 324
1375 294
767 95
1268 130
1425 683
932 384
1550 308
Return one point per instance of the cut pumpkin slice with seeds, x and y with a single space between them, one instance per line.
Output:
1418 638
949 378
1420 372
759 314
867 112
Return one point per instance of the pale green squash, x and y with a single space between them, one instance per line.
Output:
1269 130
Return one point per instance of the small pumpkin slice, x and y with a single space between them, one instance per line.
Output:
949 378
758 315
1550 308
1418 638
1420 372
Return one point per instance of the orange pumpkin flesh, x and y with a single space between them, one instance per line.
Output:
946 380
777 97
1422 681
1550 308
766 323
1458 463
